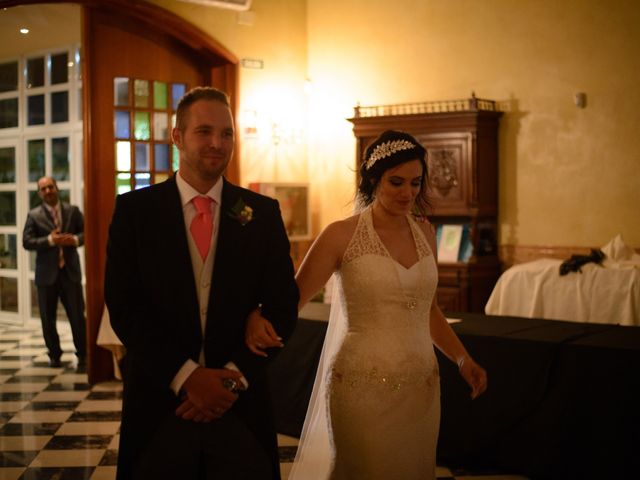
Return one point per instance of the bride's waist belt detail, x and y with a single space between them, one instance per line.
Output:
385 379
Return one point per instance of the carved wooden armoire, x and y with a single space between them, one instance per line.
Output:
461 138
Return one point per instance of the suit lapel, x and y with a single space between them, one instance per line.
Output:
227 236
230 243
46 215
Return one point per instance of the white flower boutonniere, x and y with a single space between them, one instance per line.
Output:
241 212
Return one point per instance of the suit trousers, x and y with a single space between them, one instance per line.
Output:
224 449
71 295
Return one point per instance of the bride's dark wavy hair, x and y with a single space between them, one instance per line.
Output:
389 150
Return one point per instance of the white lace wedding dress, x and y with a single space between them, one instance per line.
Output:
382 386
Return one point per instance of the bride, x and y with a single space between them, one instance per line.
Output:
375 408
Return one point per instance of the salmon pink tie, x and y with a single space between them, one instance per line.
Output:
202 224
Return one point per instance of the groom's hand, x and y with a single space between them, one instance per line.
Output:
206 398
188 411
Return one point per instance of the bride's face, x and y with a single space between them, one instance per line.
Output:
399 186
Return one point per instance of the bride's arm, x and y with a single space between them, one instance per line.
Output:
322 259
448 342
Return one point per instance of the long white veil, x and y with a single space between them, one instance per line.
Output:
315 453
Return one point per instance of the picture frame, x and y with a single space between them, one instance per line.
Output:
449 244
295 206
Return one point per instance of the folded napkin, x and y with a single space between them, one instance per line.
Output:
619 254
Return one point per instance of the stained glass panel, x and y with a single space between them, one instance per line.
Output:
141 126
177 92
123 183
160 95
176 158
123 156
161 177
142 180
121 91
141 93
142 156
160 126
161 156
122 124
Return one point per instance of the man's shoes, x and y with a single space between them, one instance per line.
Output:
55 363
82 362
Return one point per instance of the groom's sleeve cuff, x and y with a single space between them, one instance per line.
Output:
182 375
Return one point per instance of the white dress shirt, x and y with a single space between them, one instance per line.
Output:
202 270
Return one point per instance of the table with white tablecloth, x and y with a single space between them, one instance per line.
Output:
597 294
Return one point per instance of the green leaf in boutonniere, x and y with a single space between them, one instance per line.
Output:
241 212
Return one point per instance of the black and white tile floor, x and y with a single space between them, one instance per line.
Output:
54 425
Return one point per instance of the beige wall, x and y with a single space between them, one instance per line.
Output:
568 176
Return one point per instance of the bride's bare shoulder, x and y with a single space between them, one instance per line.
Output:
339 233
342 229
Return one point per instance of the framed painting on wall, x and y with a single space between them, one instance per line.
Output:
294 205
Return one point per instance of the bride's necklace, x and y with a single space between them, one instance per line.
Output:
411 301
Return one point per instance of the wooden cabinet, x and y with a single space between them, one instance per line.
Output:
461 138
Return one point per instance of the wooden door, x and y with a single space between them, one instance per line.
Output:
130 54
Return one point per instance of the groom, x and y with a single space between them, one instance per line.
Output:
187 260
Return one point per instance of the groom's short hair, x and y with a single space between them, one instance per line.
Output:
192 96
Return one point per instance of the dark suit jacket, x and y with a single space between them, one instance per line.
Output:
151 296
37 228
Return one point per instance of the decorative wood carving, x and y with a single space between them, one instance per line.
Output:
443 171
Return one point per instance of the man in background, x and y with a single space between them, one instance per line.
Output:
55 230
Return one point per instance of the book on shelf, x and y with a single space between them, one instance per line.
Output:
449 245
454 243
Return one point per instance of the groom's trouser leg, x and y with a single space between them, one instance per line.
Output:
173 452
224 449
231 450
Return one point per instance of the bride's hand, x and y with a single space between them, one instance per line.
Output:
260 334
474 375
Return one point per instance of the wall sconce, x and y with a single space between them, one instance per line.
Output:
580 99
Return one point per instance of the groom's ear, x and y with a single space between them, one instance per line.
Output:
176 137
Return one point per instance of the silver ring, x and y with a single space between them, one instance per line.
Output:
230 384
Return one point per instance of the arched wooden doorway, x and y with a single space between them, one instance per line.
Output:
135 41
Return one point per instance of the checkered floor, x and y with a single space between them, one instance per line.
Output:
54 425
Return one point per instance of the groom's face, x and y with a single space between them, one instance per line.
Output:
206 143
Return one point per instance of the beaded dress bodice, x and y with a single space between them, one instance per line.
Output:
383 300
383 385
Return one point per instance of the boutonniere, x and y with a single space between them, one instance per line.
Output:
241 212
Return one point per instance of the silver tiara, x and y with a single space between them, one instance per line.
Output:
386 149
